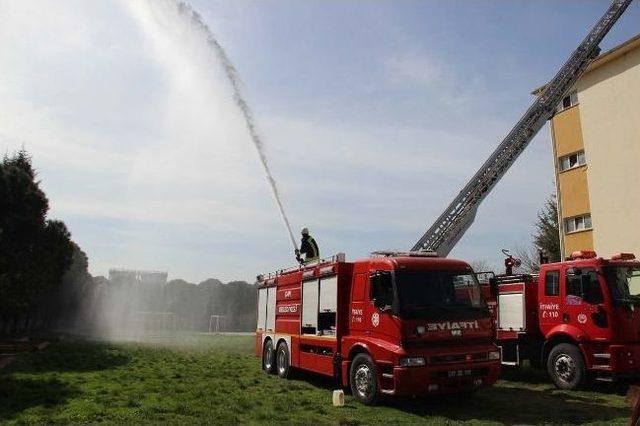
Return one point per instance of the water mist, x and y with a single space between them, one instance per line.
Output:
194 19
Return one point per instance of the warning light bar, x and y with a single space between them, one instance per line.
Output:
583 254
388 253
623 256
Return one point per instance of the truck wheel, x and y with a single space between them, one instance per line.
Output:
282 360
363 379
566 366
268 357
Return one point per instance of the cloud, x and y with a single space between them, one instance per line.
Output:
144 154
414 70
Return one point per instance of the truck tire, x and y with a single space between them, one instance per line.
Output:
268 357
283 361
566 366
364 379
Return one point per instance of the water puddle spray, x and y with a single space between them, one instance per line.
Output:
187 11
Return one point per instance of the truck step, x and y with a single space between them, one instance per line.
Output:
387 375
604 379
387 391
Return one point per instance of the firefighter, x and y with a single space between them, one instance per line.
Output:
308 247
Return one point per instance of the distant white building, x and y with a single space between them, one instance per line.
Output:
130 276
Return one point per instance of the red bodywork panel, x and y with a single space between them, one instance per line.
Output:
361 327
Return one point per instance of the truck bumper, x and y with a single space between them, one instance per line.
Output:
450 378
618 359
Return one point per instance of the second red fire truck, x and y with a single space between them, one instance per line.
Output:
394 324
579 319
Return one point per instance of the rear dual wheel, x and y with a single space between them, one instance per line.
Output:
268 357
276 360
283 363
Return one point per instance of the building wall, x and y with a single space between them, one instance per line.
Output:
573 189
609 105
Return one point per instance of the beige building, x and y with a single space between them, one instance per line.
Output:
596 145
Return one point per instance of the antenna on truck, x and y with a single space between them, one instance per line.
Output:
447 230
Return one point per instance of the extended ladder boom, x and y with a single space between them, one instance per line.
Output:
459 215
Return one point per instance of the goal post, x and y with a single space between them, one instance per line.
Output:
215 323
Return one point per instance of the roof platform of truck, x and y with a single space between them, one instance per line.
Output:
308 269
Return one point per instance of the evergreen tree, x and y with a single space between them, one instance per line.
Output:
547 237
34 252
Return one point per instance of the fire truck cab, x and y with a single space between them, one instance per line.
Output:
391 324
579 318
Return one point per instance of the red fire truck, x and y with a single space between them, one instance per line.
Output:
391 324
579 318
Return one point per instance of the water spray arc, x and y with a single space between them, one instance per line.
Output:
186 10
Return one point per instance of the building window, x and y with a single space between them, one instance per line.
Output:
570 161
577 223
568 101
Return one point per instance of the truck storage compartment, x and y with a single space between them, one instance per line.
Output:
328 305
262 309
511 311
271 309
310 299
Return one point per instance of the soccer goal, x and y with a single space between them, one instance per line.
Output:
215 322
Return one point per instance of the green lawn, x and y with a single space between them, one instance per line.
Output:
207 379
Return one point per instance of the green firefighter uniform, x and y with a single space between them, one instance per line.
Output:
309 248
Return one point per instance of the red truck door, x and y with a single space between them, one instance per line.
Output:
549 300
582 297
379 321
359 299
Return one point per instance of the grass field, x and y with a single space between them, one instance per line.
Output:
216 379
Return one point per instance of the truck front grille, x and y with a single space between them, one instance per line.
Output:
454 358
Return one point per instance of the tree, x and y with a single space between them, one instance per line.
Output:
34 252
547 237
480 265
546 240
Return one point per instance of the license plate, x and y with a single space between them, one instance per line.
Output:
458 373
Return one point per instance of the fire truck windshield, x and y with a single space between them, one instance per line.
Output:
438 293
624 283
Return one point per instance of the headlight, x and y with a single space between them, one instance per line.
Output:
494 355
412 361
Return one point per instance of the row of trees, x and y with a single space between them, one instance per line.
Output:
194 304
122 307
45 283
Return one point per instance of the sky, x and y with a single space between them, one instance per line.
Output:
374 114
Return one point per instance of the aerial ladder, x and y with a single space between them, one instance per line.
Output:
447 230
